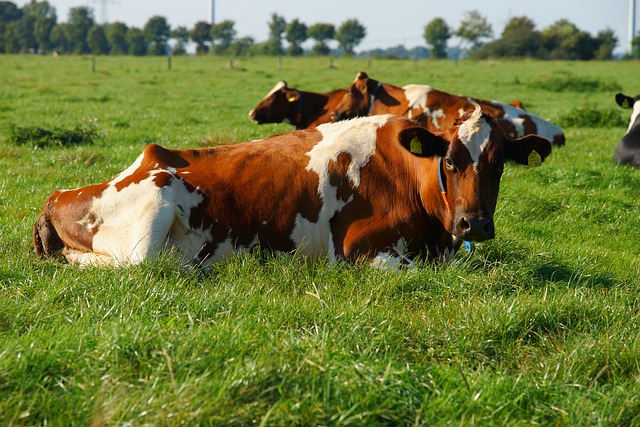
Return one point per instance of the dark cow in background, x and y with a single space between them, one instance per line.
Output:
628 149
438 110
379 189
302 109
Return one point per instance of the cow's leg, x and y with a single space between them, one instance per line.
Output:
89 259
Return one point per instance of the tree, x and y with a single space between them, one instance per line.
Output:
519 39
563 40
80 21
321 33
156 35
277 26
350 35
607 41
9 12
97 40
436 34
296 34
635 48
241 46
222 35
135 41
474 28
117 37
23 33
60 41
44 19
201 35
181 35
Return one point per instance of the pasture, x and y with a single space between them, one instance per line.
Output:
539 326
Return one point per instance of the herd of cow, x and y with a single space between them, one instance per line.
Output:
375 173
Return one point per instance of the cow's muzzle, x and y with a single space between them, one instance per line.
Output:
256 116
475 229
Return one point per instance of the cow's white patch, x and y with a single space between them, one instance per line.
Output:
314 239
229 247
517 117
394 258
635 114
474 133
435 115
141 219
355 137
417 95
281 84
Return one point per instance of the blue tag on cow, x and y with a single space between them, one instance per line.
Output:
470 246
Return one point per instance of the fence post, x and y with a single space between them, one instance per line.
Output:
169 60
93 65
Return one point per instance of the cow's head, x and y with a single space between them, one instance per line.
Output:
357 101
628 102
277 105
469 173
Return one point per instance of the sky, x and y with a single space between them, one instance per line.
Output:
388 23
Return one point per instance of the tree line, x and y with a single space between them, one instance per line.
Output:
35 28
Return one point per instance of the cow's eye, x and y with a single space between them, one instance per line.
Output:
449 164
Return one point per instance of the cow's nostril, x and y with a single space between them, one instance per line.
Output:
464 224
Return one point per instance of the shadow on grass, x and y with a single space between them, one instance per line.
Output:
554 271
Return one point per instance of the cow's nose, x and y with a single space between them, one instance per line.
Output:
252 114
476 229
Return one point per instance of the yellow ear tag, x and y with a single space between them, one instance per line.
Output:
291 99
625 103
534 159
416 146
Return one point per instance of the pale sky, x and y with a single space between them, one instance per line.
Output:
388 23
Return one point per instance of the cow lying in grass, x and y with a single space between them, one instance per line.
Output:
301 109
628 149
379 189
438 110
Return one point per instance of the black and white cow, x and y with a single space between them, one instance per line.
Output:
628 149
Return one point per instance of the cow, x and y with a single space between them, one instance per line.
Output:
628 149
379 190
302 109
438 110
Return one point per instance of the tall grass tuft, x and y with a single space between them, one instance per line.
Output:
85 132
590 116
573 83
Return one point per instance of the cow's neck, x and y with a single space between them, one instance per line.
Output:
394 100
311 109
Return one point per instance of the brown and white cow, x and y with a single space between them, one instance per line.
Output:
302 109
379 189
628 149
438 110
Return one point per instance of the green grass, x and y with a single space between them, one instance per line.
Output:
539 326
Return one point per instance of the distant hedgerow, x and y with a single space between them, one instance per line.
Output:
85 132
575 84
591 117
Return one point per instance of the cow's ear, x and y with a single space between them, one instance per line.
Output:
422 143
623 100
293 95
529 150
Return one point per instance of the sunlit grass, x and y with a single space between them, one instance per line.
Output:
539 326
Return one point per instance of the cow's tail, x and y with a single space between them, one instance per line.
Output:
46 241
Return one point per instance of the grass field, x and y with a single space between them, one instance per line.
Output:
540 326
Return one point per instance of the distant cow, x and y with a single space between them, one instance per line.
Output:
628 149
379 189
438 110
302 109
